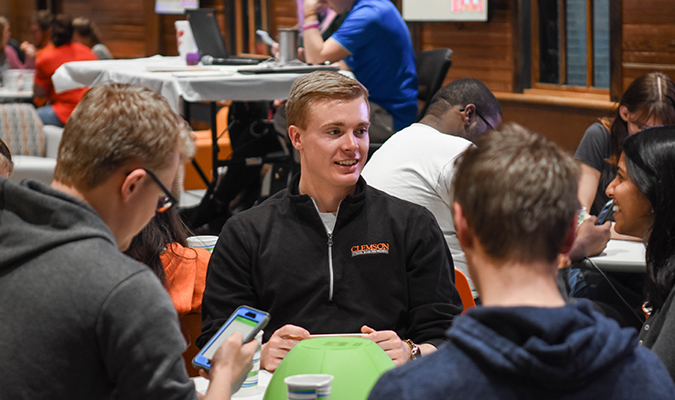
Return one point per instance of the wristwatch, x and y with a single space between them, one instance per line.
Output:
414 350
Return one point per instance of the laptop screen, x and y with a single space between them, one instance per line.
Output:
206 31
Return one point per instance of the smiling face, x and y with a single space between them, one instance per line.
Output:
334 146
632 211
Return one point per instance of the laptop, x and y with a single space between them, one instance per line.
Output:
210 42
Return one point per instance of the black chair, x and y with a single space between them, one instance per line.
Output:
432 66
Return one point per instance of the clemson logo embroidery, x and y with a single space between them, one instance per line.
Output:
376 248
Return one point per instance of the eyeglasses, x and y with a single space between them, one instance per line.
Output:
168 200
481 117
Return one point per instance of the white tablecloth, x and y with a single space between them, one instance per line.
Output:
9 96
175 81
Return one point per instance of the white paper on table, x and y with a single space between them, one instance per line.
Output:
622 254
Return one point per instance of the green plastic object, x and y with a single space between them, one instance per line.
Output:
355 363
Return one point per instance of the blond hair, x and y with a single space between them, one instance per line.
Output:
320 86
117 124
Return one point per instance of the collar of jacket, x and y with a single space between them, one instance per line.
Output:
349 207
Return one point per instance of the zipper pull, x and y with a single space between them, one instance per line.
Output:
330 239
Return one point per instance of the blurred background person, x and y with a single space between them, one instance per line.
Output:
649 101
10 58
59 105
41 32
87 34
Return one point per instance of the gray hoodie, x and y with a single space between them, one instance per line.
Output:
79 318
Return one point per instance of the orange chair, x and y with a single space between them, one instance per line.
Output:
203 154
462 285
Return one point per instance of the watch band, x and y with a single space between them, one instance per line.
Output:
414 350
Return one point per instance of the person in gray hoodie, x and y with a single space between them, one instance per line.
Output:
80 320
514 210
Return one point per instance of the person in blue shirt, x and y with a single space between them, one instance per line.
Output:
374 43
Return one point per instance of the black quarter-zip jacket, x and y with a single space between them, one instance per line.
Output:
391 269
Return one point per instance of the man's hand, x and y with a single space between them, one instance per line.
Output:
590 240
28 49
398 350
229 366
281 342
310 6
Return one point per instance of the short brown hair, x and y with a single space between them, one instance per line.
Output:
62 30
113 125
87 29
43 18
518 192
320 86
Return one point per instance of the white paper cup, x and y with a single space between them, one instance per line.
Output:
27 75
185 39
207 242
309 387
250 385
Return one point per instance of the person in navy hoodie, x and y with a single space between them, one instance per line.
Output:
514 210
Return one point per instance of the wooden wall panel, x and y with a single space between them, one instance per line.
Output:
481 50
548 120
283 15
659 12
563 120
18 13
129 28
648 38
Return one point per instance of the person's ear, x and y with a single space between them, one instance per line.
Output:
569 238
295 136
465 235
623 113
131 184
469 114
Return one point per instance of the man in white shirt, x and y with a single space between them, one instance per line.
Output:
417 164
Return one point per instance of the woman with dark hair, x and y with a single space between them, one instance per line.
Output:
59 105
162 246
649 101
643 193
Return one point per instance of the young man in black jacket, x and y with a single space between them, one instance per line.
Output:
331 254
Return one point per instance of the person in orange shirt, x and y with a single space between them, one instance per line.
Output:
162 246
59 105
